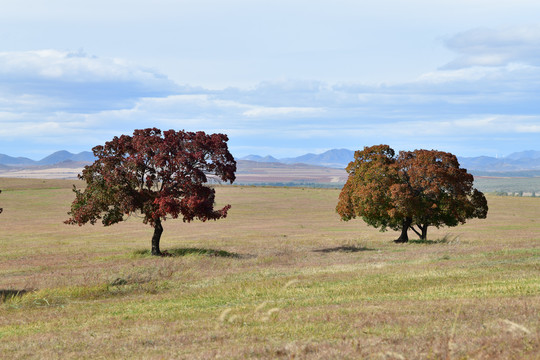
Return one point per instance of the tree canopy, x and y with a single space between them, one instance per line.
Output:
412 190
156 175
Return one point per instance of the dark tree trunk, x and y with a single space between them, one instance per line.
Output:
403 238
158 230
424 232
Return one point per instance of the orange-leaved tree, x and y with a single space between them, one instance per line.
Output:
413 190
156 175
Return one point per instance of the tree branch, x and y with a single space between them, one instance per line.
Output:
413 229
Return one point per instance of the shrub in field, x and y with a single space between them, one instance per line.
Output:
413 190
155 174
1 208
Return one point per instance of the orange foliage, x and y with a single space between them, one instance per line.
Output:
413 190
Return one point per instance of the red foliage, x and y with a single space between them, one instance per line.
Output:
155 174
417 188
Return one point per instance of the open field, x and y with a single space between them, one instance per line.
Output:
249 172
275 174
525 185
280 278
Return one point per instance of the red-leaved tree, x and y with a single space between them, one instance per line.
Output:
413 190
155 174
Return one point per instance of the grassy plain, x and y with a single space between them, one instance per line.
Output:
280 278
511 185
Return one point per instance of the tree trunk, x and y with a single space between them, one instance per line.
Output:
403 238
158 230
424 232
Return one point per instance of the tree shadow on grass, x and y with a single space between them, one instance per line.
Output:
444 240
177 252
345 248
425 241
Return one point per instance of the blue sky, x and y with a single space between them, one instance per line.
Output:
279 77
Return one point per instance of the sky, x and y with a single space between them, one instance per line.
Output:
279 77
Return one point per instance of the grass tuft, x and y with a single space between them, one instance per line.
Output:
7 294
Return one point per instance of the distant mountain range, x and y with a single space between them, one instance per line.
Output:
53 159
526 163
336 158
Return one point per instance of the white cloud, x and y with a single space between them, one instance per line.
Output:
495 47
282 111
72 67
73 81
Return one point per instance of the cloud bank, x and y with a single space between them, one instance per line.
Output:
75 81
485 101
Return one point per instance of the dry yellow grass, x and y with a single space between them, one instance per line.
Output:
281 277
